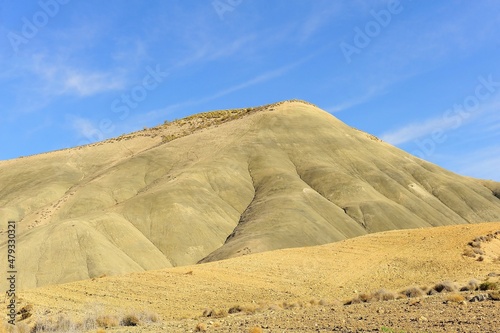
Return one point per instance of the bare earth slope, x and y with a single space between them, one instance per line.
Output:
221 185
393 260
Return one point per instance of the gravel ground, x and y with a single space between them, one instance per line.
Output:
429 314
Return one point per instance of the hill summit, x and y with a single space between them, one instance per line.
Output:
218 185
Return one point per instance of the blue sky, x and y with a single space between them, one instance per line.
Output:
423 75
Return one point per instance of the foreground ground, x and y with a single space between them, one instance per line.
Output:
278 282
432 314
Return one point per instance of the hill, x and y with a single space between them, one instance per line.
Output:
220 185
392 260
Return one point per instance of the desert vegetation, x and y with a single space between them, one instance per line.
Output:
455 293
449 291
171 130
475 249
62 323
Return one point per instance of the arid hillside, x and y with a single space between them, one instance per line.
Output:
220 185
280 285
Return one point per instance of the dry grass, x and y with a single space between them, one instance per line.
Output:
413 292
456 298
220 313
468 252
107 321
201 327
495 295
130 320
488 286
90 323
472 285
445 286
255 329
384 295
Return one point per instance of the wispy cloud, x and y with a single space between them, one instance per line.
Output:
451 119
417 130
60 78
322 14
267 76
211 50
90 83
83 127
372 92
482 164
256 80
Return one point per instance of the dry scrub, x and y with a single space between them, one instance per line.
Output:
474 250
63 323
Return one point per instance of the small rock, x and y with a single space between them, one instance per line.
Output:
479 298
422 318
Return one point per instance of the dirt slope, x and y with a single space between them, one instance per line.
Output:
220 185
338 271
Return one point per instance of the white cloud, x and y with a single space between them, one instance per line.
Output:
85 128
163 112
481 164
89 83
256 80
372 92
417 130
451 119
321 16
58 77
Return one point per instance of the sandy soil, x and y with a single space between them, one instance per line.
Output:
334 272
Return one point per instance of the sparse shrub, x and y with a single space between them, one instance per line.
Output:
365 297
130 320
220 313
25 311
488 286
413 292
478 251
107 321
495 295
476 244
473 285
149 317
41 325
89 323
323 302
201 327
64 324
445 286
361 298
456 298
208 313
384 295
235 309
